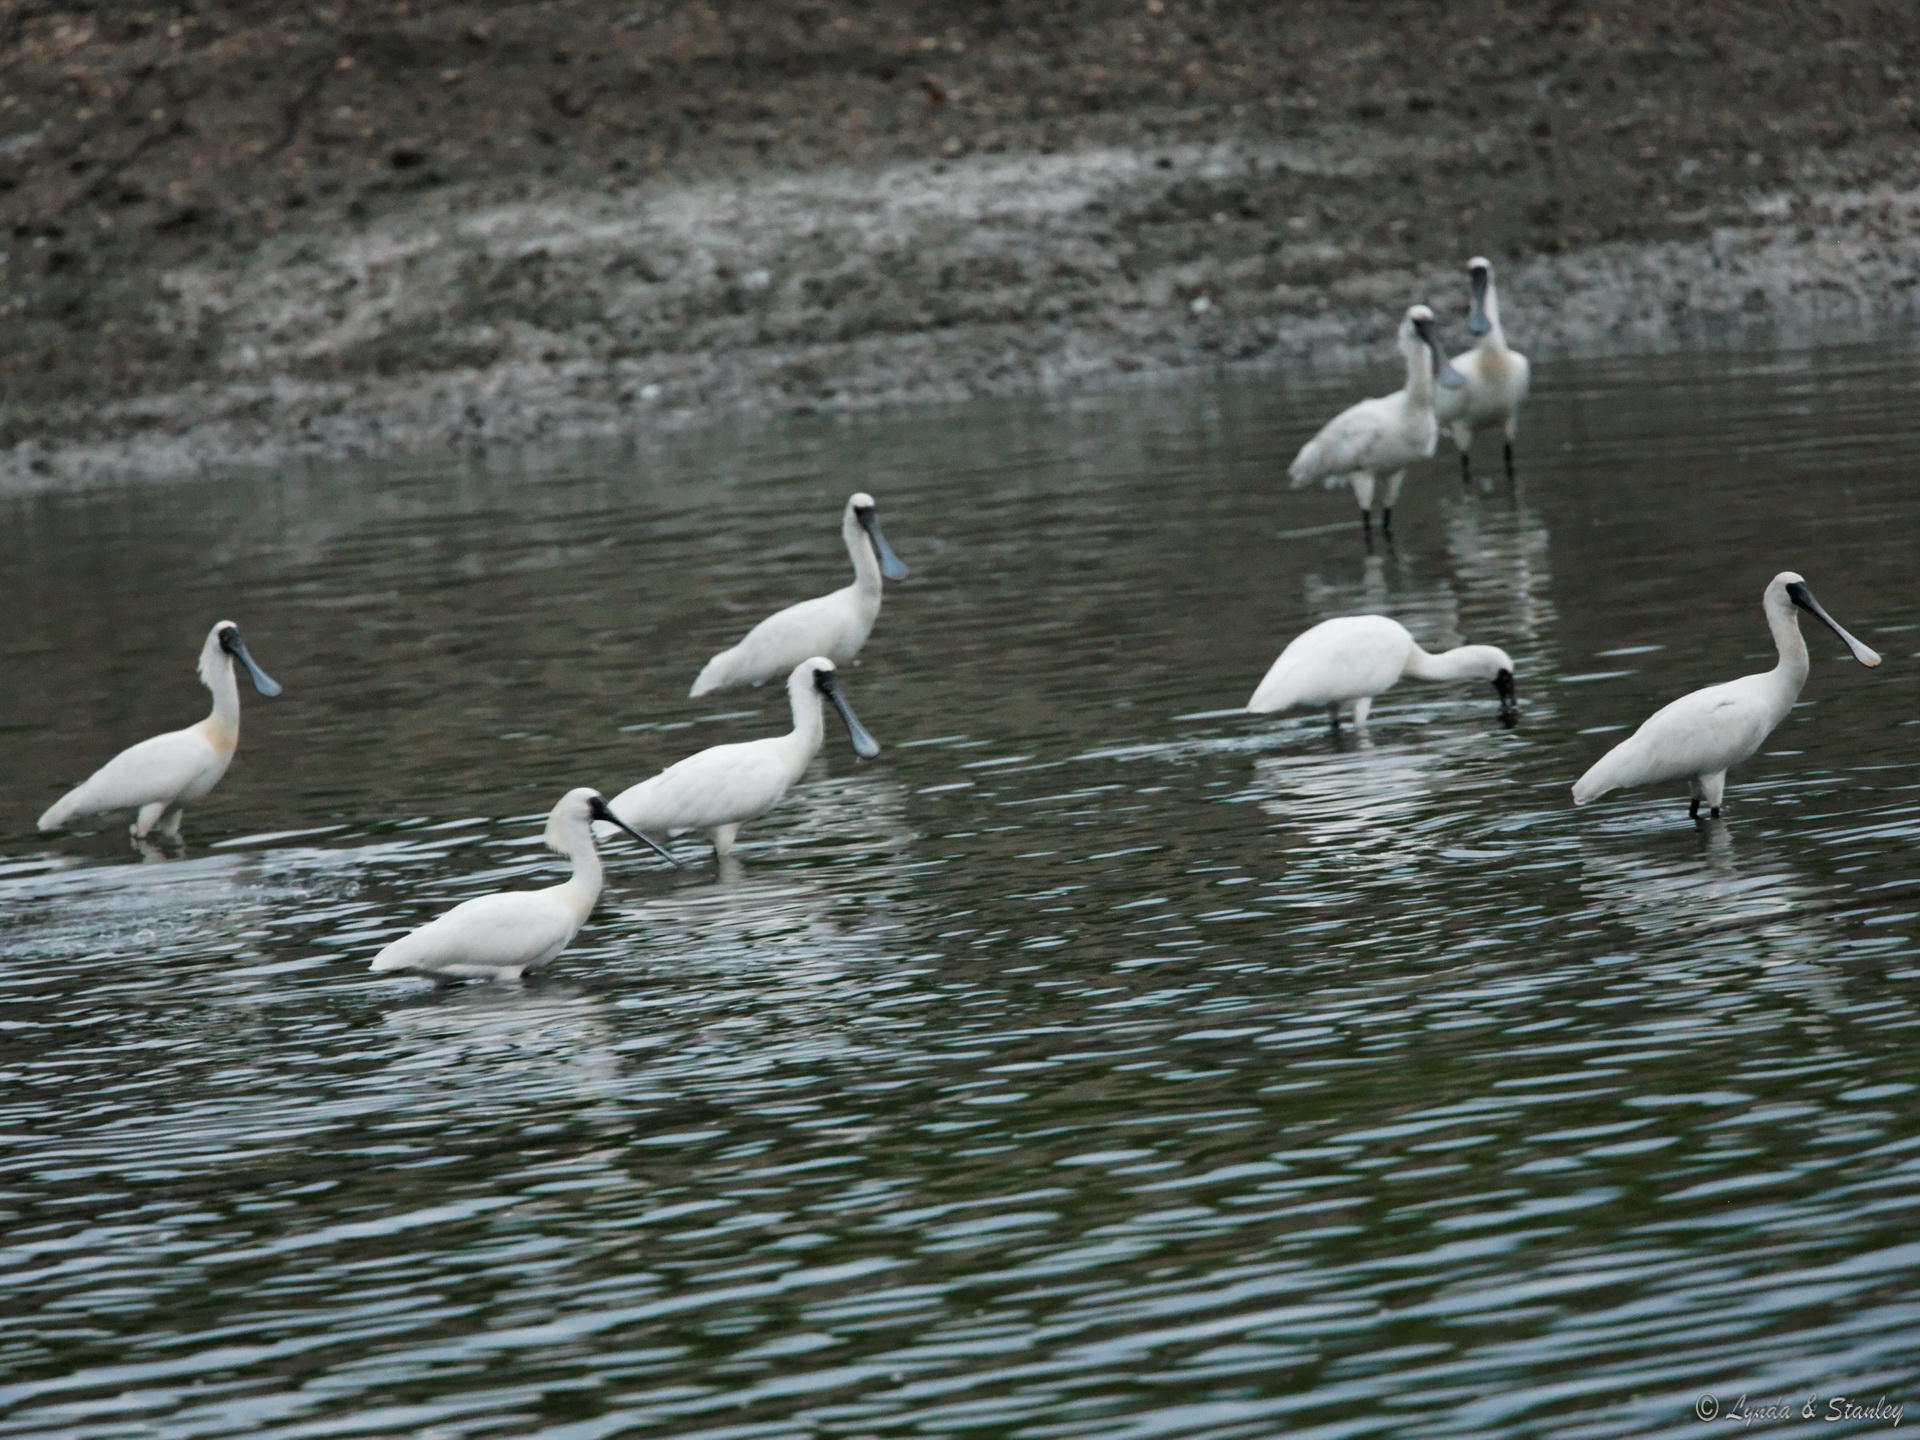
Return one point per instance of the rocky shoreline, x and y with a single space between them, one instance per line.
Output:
1229 226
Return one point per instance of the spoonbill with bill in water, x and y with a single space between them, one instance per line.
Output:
1357 657
1700 736
159 778
502 936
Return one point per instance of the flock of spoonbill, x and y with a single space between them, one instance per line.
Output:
1349 660
1375 440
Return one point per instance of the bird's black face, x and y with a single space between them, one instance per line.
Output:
891 565
1477 322
231 642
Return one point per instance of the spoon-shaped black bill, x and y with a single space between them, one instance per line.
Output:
600 810
891 565
864 745
1477 322
1798 592
1509 703
231 642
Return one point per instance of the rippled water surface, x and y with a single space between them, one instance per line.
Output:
1100 1061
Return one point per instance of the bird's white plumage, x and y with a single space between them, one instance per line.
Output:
1702 735
489 937
719 789
1382 436
160 776
1356 657
501 937
835 625
1494 377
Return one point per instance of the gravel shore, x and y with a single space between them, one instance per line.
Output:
447 227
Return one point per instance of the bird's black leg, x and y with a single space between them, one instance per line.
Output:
1333 716
1386 523
1366 529
1693 810
1466 470
1714 813
1509 456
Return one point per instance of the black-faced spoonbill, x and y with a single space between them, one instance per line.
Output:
160 777
1357 657
1699 737
1487 385
718 790
1379 437
835 625
501 937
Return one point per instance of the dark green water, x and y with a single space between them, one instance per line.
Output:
1100 1063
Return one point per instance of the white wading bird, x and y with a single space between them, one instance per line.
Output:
160 777
1356 657
835 625
1379 437
719 789
1486 385
1699 737
501 937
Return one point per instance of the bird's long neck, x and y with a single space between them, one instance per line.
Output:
809 725
1419 371
581 889
866 565
1790 671
1495 338
223 724
1448 665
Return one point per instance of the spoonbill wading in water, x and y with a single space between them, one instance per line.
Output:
835 625
159 778
1484 386
718 790
1379 437
1699 737
502 936
1357 657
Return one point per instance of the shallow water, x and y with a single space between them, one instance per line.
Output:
1099 1062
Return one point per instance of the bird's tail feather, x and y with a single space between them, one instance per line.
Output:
712 675
1601 777
61 811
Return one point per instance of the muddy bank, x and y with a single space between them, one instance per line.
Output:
604 219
